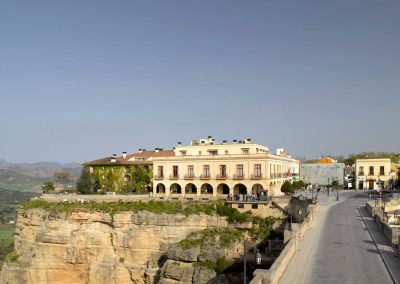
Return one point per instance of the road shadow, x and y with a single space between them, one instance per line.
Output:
373 251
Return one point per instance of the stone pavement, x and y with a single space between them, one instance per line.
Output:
338 248
389 254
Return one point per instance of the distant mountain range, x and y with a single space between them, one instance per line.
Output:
30 176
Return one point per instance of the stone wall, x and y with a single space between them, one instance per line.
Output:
95 247
272 275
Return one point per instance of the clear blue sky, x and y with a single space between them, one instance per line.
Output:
84 79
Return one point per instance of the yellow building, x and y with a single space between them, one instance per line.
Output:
370 172
219 169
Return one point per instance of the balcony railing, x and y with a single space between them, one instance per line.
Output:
206 176
187 177
256 176
236 176
221 177
159 177
360 173
174 177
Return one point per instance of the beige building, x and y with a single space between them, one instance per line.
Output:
219 169
370 171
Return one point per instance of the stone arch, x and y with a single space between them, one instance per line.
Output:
190 188
206 188
239 188
175 188
256 189
160 188
222 188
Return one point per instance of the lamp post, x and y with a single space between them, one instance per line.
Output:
328 186
337 193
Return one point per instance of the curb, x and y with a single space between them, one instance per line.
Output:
380 253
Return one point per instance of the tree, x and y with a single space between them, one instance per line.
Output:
84 185
287 188
335 183
48 186
298 184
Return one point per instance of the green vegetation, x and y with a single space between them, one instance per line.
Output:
226 237
298 184
48 187
287 188
128 179
218 266
6 241
84 184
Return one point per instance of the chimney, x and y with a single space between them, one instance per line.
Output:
209 136
234 141
140 150
224 141
157 150
179 144
124 155
248 140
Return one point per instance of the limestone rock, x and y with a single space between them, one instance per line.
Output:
93 247
203 275
187 255
180 271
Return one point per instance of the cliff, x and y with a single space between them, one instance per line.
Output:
96 247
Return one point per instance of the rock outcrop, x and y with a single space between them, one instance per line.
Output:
95 247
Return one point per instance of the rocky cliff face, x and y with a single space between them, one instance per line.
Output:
95 247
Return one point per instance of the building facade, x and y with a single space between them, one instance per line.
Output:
371 173
207 168
117 173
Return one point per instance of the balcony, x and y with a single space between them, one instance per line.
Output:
158 177
174 177
256 176
360 173
206 176
221 177
189 177
236 176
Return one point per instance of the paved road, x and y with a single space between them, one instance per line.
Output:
338 248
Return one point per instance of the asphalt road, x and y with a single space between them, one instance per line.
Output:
338 248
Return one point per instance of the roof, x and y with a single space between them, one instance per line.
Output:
139 158
326 160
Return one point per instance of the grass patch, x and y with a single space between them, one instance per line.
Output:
6 241
222 236
218 266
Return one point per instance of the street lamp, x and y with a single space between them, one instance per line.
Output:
337 192
328 186
258 257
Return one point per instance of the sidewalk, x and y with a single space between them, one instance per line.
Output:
387 252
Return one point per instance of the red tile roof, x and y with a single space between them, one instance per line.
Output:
145 155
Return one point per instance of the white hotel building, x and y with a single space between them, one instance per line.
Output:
207 168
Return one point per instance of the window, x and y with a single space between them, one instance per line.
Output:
371 170
361 171
190 171
382 170
206 171
240 205
175 171
239 170
183 153
213 152
160 171
245 151
254 206
222 170
257 170
226 152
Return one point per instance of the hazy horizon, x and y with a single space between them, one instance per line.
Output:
84 80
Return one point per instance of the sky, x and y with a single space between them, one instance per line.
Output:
80 80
